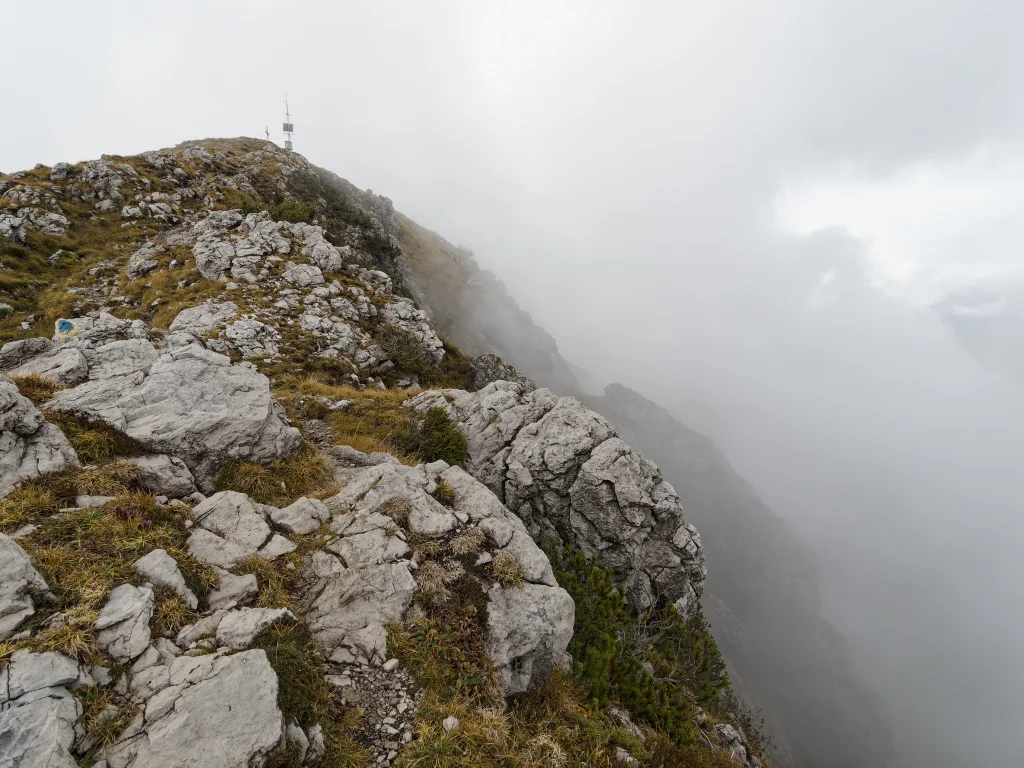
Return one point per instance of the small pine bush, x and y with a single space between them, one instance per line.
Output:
617 654
437 437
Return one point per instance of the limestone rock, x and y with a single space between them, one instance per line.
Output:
404 315
252 338
192 404
30 672
95 331
123 624
40 732
63 366
303 275
203 319
218 711
368 487
144 260
162 570
232 590
528 630
302 516
119 358
239 627
489 368
234 517
164 475
29 446
13 353
563 470
20 585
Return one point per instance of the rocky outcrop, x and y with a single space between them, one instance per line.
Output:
366 577
193 404
21 587
490 368
164 475
246 246
30 447
231 527
215 710
569 477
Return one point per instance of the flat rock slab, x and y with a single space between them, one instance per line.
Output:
218 712
39 733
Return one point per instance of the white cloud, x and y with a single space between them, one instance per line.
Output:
928 228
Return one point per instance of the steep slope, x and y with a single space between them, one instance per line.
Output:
222 482
763 597
762 591
473 309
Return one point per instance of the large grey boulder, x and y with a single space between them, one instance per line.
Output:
565 472
215 712
194 404
363 579
123 625
20 586
366 489
30 672
232 590
240 626
95 331
301 517
252 338
29 446
13 353
528 630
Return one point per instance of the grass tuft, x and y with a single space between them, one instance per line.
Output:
506 570
36 388
445 493
279 482
94 441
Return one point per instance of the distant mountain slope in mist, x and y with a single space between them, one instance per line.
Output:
761 597
762 593
475 311
990 325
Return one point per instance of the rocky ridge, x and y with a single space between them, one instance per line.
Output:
178 346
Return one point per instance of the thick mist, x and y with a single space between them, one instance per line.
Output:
665 187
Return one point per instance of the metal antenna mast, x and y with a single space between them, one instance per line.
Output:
289 129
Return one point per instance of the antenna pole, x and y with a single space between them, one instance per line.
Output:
289 129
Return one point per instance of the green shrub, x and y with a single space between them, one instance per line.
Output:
404 352
437 437
293 210
611 646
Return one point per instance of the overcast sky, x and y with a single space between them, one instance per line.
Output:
751 203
